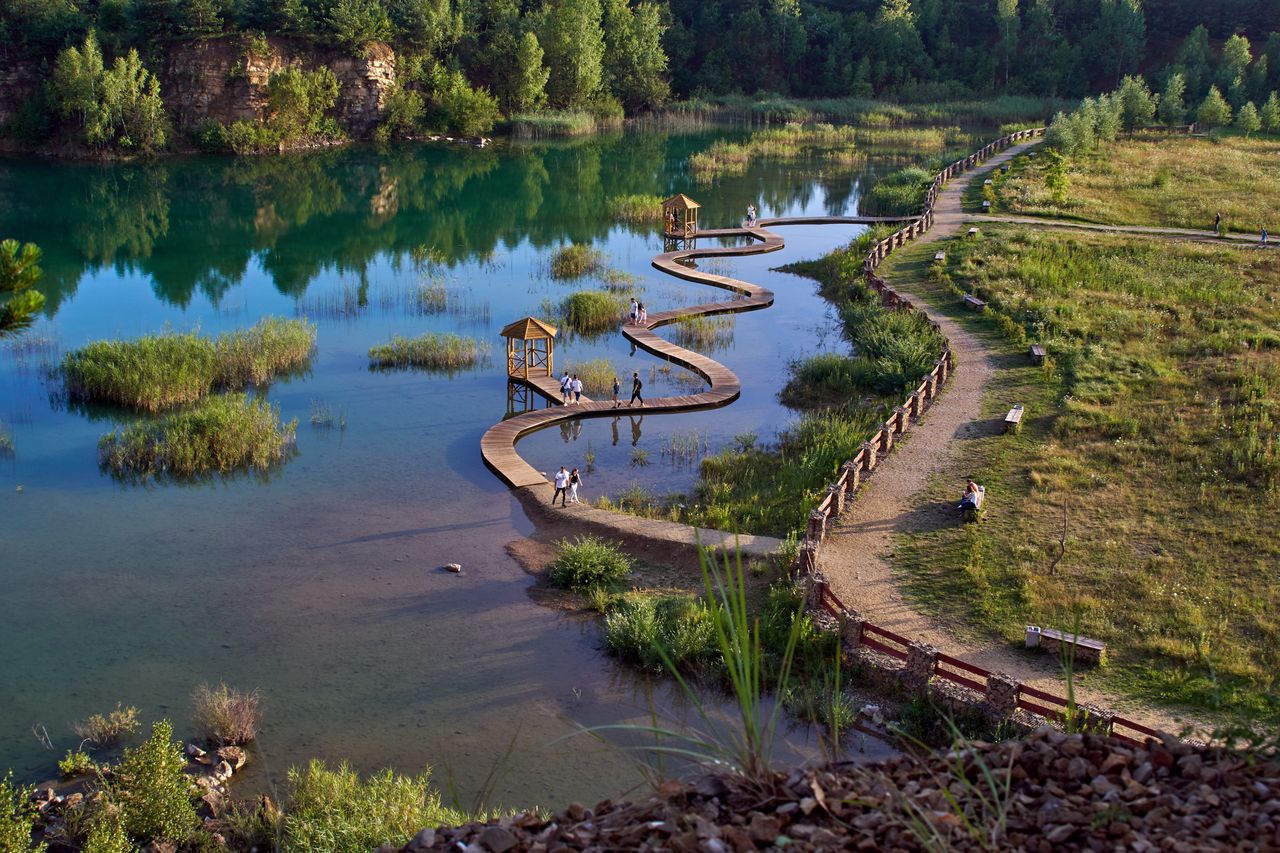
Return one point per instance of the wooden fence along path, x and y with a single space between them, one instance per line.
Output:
921 664
1003 696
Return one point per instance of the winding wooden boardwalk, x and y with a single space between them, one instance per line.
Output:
498 445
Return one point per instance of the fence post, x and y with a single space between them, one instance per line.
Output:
917 672
942 370
817 526
886 436
915 404
813 596
1002 696
868 456
851 623
852 476
932 390
900 420
808 559
837 500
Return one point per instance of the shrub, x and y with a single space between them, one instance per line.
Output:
432 351
592 311
220 435
153 792
576 261
107 833
680 625
899 193
158 372
333 811
588 561
104 731
224 715
78 763
17 817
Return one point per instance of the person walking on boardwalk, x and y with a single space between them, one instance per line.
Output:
636 385
566 385
577 390
562 487
1217 224
635 310
575 480
751 216
617 389
643 316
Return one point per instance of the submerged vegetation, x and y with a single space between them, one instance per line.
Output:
432 351
704 333
158 372
221 435
1158 390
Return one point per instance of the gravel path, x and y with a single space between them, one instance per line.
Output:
856 555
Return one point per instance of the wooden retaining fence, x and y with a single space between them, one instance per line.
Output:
1001 695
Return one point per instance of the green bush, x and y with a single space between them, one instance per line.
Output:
154 794
433 351
221 435
333 811
899 193
107 834
17 817
158 372
641 627
587 562
78 763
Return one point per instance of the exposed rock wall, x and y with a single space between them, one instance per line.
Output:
224 80
18 84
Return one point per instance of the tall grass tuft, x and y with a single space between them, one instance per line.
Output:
597 376
161 371
635 209
587 562
223 434
552 123
899 193
224 715
576 261
638 624
432 351
592 311
704 334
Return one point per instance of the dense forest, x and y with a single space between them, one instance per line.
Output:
464 64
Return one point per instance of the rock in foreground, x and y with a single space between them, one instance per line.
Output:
1075 792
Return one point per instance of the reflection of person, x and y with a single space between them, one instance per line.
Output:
562 487
577 429
615 430
635 429
575 480
636 385
566 430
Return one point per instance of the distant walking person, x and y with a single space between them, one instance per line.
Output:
575 480
1217 224
636 385
577 389
617 389
566 386
562 487
1264 236
751 216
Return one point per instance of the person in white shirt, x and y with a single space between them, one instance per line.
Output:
566 386
562 487
577 389
635 309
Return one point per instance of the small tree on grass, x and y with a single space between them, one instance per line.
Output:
1137 105
19 271
1172 108
1271 114
1214 111
1055 174
1247 119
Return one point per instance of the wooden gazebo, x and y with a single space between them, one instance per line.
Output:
530 348
680 216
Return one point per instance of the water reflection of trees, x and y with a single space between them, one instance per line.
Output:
198 224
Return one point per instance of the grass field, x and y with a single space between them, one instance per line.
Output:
1170 181
1152 434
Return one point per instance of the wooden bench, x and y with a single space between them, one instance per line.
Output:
1037 353
988 182
972 232
940 256
1005 168
973 303
1013 420
1087 649
986 205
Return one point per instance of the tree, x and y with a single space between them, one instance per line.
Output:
1007 21
283 17
528 90
1172 108
574 48
1137 106
900 53
1271 114
358 23
1120 35
119 107
1214 111
1247 119
19 272
299 101
634 61
202 18
1235 59
1055 174
1194 60
427 25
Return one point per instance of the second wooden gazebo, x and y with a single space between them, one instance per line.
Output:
679 216
530 348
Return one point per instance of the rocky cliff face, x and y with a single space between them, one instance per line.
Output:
223 79
18 84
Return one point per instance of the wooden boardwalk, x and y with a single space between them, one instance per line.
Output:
498 445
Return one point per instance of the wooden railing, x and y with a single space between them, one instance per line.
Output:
1003 695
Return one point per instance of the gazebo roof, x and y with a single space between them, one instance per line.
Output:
529 328
681 200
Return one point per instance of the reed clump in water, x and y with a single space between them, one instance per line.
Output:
635 209
576 261
159 372
221 435
433 351
780 144
703 333
592 311
597 376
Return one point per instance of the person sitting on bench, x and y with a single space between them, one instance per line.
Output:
972 496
